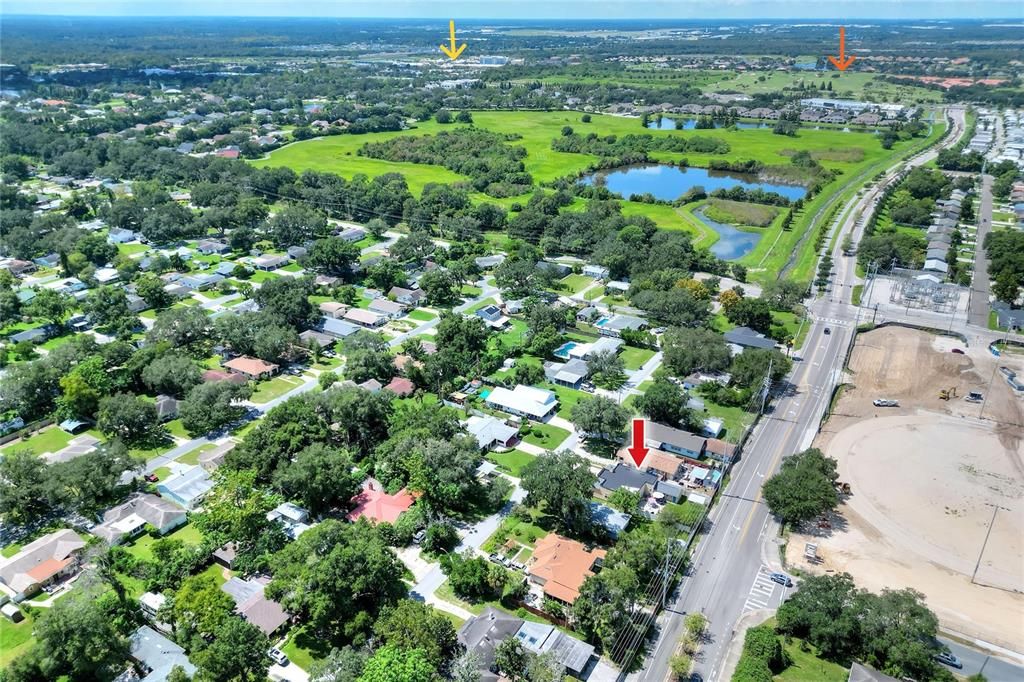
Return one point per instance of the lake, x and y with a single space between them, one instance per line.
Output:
671 182
666 123
732 243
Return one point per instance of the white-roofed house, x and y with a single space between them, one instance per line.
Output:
187 487
523 401
491 432
129 519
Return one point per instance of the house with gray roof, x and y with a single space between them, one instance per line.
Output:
673 440
157 656
129 520
339 329
40 563
748 338
251 604
569 374
186 488
491 432
624 476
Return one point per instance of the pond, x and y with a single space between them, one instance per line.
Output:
670 182
732 243
666 123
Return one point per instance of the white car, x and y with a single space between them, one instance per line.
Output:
277 656
885 402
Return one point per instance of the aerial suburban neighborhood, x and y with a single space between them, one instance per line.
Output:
595 351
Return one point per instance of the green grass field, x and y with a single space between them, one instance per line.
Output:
142 547
421 315
50 439
634 358
16 638
806 666
511 462
573 284
740 212
275 388
776 248
853 84
545 436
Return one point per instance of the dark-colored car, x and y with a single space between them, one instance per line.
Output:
828 330
152 478
958 351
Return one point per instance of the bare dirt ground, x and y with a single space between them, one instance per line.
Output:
929 480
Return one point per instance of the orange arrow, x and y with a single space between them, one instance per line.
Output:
453 52
843 62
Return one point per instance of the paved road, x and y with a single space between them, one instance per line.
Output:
726 573
979 306
994 669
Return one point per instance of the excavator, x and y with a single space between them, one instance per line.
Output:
946 394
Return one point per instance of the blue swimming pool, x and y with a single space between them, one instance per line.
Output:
563 350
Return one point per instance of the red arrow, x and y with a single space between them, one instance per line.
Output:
843 62
638 451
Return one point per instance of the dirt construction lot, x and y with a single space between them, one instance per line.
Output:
929 481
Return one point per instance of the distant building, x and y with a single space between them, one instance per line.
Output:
251 368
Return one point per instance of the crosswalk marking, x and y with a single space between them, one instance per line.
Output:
761 591
832 320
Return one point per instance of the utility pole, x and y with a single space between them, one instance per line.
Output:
766 385
995 509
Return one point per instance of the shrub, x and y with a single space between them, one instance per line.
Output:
752 669
762 642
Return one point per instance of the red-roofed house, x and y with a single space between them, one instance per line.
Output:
401 387
376 505
252 368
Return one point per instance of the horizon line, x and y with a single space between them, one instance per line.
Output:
846 21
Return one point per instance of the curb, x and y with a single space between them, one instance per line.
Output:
746 621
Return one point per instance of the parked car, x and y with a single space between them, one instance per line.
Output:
958 351
782 579
885 402
419 536
949 659
277 656
152 478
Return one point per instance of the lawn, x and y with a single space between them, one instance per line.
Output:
261 276
794 324
192 456
545 436
142 546
50 439
806 666
511 462
482 304
567 398
275 388
574 283
523 532
733 418
304 647
634 358
176 429
16 638
470 291
56 341
421 315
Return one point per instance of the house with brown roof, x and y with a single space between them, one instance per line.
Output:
560 565
333 309
374 504
211 375
251 368
365 318
720 450
41 563
252 605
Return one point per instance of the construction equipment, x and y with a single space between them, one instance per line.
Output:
946 394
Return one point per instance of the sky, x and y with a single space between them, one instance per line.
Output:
838 10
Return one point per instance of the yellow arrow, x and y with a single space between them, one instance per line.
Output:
453 52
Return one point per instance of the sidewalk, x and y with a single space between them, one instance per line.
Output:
747 620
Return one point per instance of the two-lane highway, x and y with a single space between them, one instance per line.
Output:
727 566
